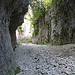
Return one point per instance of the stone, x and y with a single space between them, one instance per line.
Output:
58 25
48 65
10 13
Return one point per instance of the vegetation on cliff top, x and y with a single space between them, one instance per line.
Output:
39 9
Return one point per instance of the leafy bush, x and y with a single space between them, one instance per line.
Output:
20 29
39 10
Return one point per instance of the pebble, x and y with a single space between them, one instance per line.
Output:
41 60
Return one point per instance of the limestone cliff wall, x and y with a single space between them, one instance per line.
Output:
58 25
17 18
10 11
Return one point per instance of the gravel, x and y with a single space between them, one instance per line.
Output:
45 60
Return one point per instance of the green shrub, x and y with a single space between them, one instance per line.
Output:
17 70
27 40
17 44
73 47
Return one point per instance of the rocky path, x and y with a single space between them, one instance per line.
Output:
45 60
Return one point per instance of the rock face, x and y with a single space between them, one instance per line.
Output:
58 25
11 15
16 19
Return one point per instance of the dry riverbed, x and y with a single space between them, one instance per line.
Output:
45 60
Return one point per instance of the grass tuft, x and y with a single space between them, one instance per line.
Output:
17 70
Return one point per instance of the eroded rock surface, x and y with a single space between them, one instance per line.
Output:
11 13
58 25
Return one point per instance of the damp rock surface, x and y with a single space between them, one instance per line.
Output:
45 60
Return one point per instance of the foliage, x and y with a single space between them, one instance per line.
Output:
47 3
17 44
57 44
17 70
20 29
39 9
73 47
35 31
27 40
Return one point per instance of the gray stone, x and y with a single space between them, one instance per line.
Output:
9 14
58 25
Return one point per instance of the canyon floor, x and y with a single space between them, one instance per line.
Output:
45 60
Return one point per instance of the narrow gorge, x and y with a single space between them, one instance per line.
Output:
55 25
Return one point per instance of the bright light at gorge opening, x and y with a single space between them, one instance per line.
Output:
26 29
